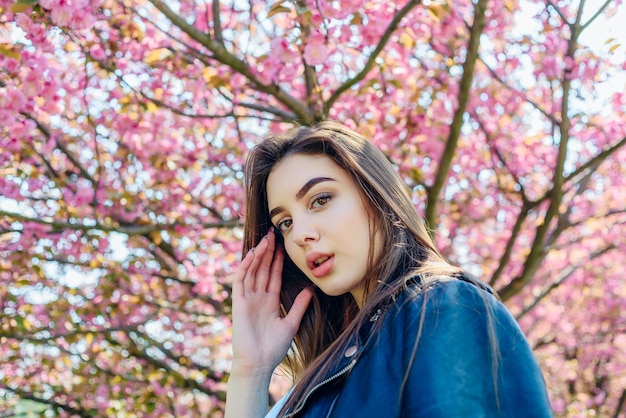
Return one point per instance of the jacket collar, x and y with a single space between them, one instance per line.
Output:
351 353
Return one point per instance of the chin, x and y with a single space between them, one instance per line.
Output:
333 292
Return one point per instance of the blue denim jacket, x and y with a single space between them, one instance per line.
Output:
453 372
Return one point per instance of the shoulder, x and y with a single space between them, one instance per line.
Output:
448 306
445 292
461 349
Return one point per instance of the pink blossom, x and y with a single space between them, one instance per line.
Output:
348 7
23 21
23 129
40 313
264 76
205 286
102 396
37 34
550 67
50 90
128 216
62 15
6 118
11 65
9 188
32 85
280 50
316 19
237 81
587 69
11 145
122 64
97 52
49 4
83 195
35 228
316 51
201 21
83 4
280 54
16 99
328 11
83 19
4 98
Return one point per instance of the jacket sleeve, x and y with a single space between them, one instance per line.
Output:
471 359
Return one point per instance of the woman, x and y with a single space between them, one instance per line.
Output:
342 282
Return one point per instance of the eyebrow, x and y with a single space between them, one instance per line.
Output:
303 190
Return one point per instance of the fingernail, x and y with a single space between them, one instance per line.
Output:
251 250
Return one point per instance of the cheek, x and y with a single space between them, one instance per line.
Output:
292 251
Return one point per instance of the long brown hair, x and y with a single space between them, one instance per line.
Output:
407 247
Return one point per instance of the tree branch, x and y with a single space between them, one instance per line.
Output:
51 337
557 10
551 117
61 146
537 251
310 77
268 109
524 210
528 205
222 55
124 229
496 151
604 215
57 405
142 352
217 23
465 87
620 404
178 359
595 161
565 274
372 58
595 16
510 244
160 103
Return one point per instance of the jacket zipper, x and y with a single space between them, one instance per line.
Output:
341 372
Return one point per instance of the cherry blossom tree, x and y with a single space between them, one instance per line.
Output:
124 126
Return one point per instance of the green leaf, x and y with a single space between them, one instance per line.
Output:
22 5
22 324
613 48
150 407
9 52
278 8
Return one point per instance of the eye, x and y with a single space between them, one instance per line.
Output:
283 225
320 200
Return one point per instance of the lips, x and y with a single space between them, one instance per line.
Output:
320 264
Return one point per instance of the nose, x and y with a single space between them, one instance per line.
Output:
304 232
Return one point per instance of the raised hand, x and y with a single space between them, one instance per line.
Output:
261 337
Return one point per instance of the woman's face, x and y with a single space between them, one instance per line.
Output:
325 226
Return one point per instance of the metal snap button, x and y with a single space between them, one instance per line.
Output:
350 351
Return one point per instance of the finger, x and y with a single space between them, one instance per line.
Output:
244 266
294 317
264 270
276 273
250 278
240 274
